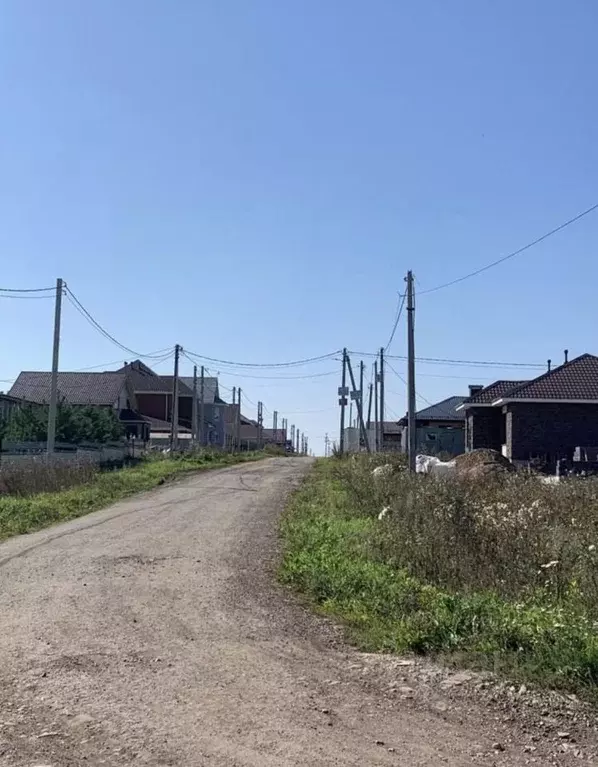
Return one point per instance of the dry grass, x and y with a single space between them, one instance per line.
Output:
502 573
43 476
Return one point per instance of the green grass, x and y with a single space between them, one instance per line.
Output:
337 556
20 515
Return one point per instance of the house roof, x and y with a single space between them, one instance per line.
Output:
74 388
143 379
442 411
210 388
492 392
575 380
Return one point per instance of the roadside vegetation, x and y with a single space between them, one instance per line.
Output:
499 574
78 490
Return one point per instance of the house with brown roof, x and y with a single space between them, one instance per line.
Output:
547 417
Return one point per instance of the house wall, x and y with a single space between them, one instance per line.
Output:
551 430
153 405
484 428
435 438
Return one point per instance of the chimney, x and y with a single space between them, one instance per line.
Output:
549 365
566 356
474 389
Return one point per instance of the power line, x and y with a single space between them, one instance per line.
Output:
396 325
26 290
467 363
94 323
513 254
400 377
21 297
293 363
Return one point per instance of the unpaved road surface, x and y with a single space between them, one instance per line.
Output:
152 633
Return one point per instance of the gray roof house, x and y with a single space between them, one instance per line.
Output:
439 428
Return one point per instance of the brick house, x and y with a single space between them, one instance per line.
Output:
547 417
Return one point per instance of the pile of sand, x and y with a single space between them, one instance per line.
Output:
482 463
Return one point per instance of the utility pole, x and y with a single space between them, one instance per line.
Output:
376 420
298 435
260 424
238 420
202 409
293 436
275 426
51 439
411 424
369 423
343 393
194 430
306 450
284 430
174 426
357 394
326 445
233 436
382 399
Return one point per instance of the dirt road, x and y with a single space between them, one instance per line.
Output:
151 633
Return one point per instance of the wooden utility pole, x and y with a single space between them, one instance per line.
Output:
194 429
52 410
376 421
202 409
411 422
343 392
382 413
174 426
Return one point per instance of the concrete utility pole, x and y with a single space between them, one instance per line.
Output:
298 435
369 423
361 369
376 420
238 421
275 426
202 409
194 429
284 430
51 440
382 399
174 426
260 424
364 434
411 423
233 436
306 451
326 445
343 392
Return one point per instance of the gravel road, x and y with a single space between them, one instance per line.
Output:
153 633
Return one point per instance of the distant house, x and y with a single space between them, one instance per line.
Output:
439 428
547 417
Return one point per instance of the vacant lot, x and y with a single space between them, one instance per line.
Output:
502 574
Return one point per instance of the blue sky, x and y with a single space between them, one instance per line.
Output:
253 178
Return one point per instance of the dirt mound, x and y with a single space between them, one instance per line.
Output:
482 463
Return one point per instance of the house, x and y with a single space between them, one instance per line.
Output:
439 428
152 394
106 390
392 432
485 425
547 417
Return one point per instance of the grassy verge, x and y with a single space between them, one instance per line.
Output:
24 515
347 562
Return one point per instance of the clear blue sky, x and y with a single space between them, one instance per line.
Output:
252 179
